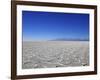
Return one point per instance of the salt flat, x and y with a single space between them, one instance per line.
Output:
51 54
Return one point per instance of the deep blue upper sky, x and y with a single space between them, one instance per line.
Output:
53 25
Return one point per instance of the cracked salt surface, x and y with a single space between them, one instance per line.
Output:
51 54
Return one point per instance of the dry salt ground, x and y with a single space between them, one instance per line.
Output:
51 54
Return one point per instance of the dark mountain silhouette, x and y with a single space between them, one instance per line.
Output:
65 39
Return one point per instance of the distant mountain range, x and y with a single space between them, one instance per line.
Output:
64 39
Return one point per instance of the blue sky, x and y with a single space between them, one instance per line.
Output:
37 26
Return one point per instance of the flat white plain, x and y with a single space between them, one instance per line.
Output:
51 54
